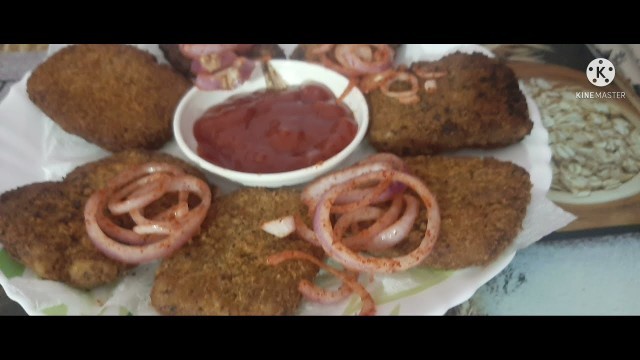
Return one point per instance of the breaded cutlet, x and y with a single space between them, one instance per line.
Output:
42 224
477 104
115 96
224 271
482 205
182 64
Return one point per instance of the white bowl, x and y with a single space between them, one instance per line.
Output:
197 102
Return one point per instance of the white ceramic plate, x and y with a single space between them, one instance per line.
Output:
33 149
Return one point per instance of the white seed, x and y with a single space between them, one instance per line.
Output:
601 107
584 193
630 166
594 145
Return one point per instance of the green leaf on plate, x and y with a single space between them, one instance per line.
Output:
9 267
424 277
354 305
56 310
125 312
395 311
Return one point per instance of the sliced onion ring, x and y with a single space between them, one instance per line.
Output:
312 194
368 305
399 230
360 263
400 76
136 247
194 51
363 239
360 58
317 294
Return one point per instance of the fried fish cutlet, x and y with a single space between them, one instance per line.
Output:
477 104
482 205
182 64
42 224
115 96
223 271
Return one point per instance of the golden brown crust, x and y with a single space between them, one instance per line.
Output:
477 105
482 205
224 271
42 224
115 96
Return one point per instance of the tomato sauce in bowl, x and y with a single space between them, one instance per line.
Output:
271 131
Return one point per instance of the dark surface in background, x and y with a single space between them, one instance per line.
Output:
8 306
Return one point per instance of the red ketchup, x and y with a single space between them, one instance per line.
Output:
274 131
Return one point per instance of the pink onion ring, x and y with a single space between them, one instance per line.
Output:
328 63
367 213
120 243
317 294
373 81
362 239
324 296
177 211
156 171
214 62
304 231
356 194
399 230
367 199
117 232
360 58
312 194
368 305
139 194
194 51
409 100
349 259
228 78
401 76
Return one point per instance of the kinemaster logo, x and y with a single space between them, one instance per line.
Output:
600 72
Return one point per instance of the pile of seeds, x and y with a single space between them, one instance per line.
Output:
595 147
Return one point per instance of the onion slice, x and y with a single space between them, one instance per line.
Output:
361 58
151 239
195 51
368 305
281 227
360 263
401 76
399 230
